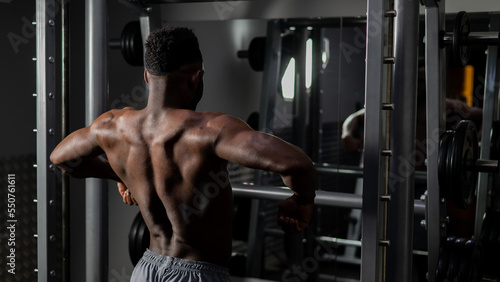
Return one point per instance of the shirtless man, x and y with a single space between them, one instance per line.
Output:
173 160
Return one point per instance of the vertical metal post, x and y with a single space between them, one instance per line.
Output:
403 134
373 173
65 194
315 100
435 77
488 117
46 126
270 82
301 100
96 197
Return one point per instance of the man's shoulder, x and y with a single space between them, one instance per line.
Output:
218 118
221 122
108 120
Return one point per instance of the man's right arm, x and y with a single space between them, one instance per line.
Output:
240 144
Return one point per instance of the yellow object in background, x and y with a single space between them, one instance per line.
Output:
468 84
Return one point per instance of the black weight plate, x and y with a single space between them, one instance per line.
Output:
464 271
256 53
449 165
461 30
142 239
131 44
443 153
138 48
472 262
132 235
443 262
125 40
464 154
444 259
455 258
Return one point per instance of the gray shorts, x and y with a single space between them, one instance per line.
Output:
155 267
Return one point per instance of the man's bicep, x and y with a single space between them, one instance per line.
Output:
255 149
76 147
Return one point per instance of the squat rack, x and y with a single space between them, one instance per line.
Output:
377 171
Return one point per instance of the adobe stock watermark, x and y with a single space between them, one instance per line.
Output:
28 29
374 29
123 276
219 181
310 264
223 8
136 98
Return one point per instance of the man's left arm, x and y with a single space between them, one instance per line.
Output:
79 155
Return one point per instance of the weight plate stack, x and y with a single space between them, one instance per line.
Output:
464 151
490 239
444 259
131 44
461 260
442 160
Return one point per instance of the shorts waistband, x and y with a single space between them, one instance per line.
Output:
184 264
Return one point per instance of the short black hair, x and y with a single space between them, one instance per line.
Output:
170 48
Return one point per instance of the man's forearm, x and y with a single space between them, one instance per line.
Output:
97 167
303 183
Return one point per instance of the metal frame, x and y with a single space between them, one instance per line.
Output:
436 118
490 113
47 181
374 162
403 136
96 194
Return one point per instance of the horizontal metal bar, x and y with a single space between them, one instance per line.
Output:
487 38
356 171
490 166
345 242
323 198
483 38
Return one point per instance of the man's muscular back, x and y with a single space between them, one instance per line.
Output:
168 163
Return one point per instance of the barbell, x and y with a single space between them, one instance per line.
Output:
459 164
130 43
461 39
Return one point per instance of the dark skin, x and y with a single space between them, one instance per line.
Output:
173 160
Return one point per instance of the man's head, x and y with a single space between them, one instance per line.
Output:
173 55
169 49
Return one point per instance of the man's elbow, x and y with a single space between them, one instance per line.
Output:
299 166
58 159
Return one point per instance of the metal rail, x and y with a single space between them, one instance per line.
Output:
356 171
323 198
47 182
